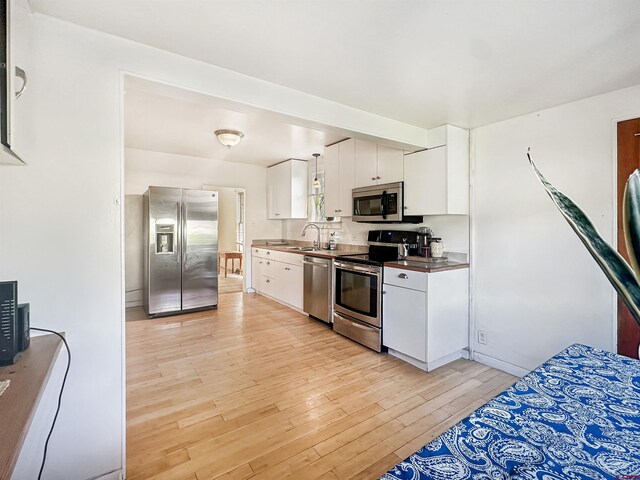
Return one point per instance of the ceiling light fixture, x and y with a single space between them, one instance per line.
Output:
316 182
229 138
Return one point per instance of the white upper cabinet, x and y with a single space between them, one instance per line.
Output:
332 180
366 164
390 164
377 164
436 180
339 178
287 190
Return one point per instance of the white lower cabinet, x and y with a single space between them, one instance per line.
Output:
278 275
425 315
257 273
406 311
291 282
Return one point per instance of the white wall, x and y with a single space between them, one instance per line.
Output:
61 215
227 218
535 287
144 168
133 250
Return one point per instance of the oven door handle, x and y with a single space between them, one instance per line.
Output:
357 269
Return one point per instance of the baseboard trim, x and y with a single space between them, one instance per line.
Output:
112 475
499 364
283 303
437 363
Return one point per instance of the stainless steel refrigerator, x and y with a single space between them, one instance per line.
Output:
180 250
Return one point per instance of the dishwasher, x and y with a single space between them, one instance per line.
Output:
317 288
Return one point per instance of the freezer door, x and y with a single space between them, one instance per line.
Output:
163 250
200 251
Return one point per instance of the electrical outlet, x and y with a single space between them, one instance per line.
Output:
482 337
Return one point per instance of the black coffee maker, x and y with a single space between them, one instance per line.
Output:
425 234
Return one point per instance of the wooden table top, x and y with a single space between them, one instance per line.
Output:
230 253
19 401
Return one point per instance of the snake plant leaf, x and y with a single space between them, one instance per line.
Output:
631 219
612 264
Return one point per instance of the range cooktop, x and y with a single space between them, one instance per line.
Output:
371 258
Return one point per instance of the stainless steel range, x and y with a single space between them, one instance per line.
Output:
357 280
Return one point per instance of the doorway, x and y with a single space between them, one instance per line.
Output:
628 160
231 231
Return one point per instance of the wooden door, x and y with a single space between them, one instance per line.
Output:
628 161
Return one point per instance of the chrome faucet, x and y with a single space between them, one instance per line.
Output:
317 242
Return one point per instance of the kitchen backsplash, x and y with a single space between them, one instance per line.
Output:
453 229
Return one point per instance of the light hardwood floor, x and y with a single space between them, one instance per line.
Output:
256 390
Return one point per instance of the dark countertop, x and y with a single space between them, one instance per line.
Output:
426 267
341 250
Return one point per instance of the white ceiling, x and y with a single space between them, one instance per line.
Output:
167 119
424 62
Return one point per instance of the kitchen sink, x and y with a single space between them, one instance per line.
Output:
302 249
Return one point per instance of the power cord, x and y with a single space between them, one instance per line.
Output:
64 381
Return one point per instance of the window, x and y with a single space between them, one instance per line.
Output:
240 221
315 201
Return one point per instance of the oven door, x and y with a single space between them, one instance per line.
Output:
381 203
357 292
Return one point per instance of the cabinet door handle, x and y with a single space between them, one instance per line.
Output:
268 281
384 292
287 268
403 275
277 214
269 263
406 207
373 178
22 75
377 178
268 253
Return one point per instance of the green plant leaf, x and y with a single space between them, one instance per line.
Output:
612 264
631 219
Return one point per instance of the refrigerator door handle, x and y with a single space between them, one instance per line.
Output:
183 224
178 240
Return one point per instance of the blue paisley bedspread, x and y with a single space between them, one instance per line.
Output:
577 416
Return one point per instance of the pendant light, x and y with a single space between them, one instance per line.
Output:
316 182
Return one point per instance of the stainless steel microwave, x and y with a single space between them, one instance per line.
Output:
381 204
